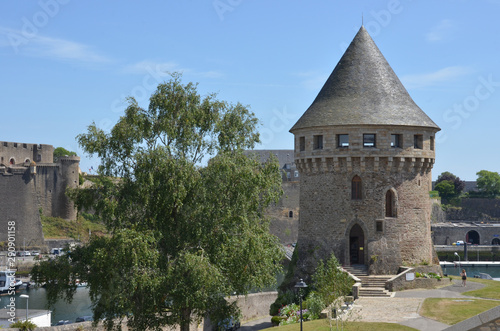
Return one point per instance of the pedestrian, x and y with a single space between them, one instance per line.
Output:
464 277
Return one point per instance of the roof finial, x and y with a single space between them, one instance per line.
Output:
362 23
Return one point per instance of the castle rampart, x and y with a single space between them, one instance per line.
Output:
29 183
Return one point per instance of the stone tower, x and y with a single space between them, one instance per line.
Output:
365 152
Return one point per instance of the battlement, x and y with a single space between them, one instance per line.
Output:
14 153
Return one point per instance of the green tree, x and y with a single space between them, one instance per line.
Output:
488 182
446 189
330 282
458 184
61 151
183 234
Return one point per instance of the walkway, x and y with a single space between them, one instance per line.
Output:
402 308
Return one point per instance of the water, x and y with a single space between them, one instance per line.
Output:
472 270
80 306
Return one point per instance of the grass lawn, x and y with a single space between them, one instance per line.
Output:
451 311
490 291
323 325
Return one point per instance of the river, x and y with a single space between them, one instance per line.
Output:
80 305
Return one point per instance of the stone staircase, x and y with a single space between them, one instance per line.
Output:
371 286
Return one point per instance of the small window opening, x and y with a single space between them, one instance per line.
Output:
25 145
390 207
369 140
432 143
290 213
342 140
12 161
396 141
356 188
296 173
380 226
15 145
418 141
318 142
302 144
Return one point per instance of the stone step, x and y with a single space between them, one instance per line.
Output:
357 270
374 292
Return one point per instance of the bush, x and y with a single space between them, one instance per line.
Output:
23 325
276 320
283 299
315 305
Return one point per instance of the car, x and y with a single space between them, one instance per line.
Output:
83 319
460 242
35 253
62 322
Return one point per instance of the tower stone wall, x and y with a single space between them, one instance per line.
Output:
364 151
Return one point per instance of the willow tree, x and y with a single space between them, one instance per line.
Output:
184 209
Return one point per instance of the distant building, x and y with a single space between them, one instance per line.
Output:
284 215
30 184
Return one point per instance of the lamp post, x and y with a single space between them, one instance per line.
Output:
27 298
300 285
456 254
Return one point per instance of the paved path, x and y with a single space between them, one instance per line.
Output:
402 308
259 324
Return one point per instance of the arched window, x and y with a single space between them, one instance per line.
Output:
356 188
390 204
495 241
12 161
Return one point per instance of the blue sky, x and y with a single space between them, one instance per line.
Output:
66 63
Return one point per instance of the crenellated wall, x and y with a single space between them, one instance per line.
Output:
37 184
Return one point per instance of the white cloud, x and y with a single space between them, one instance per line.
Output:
36 45
441 31
447 74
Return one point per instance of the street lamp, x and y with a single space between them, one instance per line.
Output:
456 254
27 297
300 285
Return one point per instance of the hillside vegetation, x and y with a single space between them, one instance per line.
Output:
58 228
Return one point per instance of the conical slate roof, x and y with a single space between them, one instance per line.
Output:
363 89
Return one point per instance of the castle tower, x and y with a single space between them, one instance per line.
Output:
365 152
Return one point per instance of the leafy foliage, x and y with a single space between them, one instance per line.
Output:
60 152
458 185
446 189
182 234
23 325
488 183
330 282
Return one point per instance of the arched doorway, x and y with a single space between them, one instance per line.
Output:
356 245
495 241
472 237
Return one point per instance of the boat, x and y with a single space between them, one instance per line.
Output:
8 282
